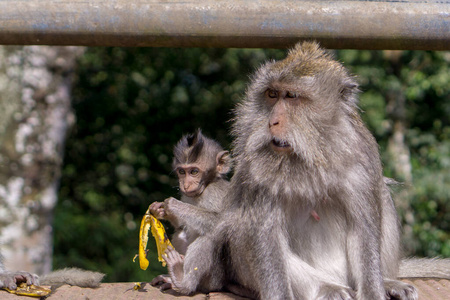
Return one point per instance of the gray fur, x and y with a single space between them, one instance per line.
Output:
425 268
267 239
73 276
193 217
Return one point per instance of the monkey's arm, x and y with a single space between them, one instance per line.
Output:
362 248
195 218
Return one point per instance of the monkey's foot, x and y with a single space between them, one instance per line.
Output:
399 290
175 266
163 281
335 292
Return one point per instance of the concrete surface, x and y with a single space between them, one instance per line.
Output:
429 289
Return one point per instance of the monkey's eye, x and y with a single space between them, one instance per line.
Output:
194 172
181 171
291 95
271 93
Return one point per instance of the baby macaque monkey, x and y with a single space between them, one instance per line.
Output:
201 166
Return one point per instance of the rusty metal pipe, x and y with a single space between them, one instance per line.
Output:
411 24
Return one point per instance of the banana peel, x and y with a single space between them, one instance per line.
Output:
162 241
29 290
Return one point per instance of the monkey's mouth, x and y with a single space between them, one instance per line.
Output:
280 145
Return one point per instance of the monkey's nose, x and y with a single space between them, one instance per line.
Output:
273 123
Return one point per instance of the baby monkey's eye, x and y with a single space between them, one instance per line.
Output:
194 171
181 171
272 93
291 95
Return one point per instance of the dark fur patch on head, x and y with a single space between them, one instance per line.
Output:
197 142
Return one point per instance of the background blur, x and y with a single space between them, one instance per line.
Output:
131 105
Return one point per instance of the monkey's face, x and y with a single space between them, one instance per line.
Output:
296 106
281 102
190 178
297 119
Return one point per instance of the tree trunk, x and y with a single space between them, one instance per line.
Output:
35 113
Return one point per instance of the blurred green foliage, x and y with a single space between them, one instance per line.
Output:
133 104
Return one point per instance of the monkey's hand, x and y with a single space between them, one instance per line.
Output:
10 280
157 210
173 207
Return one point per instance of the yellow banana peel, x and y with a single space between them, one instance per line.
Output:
162 241
29 290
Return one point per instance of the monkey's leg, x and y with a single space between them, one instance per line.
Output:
331 291
203 270
269 269
308 282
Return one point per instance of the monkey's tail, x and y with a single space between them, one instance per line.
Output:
425 268
73 276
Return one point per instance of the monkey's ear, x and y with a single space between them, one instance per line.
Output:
349 89
223 161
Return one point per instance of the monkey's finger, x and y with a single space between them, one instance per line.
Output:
154 206
168 200
161 213
10 283
28 278
167 258
20 277
169 255
35 279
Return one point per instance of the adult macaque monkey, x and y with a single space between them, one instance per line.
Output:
201 165
301 150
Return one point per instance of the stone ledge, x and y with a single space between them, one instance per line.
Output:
429 289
